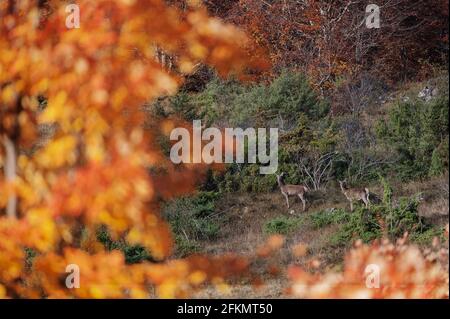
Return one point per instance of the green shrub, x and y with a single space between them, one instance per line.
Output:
303 142
287 95
361 224
426 237
232 103
185 247
439 159
387 191
217 101
245 178
192 220
404 218
182 105
328 217
193 217
282 225
133 253
417 130
364 223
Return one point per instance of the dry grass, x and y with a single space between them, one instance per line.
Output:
246 215
272 289
435 201
243 232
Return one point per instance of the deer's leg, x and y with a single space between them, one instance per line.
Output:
302 198
366 201
351 206
287 199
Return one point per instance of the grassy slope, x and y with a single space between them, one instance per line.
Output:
246 214
243 229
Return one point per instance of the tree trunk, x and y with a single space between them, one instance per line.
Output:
10 174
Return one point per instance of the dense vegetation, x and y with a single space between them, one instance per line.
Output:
410 141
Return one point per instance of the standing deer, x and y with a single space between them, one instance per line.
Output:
355 194
288 190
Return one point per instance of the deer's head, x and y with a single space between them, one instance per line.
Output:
343 183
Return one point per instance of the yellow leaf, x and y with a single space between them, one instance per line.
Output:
58 153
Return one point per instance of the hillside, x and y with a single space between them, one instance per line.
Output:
246 217
239 221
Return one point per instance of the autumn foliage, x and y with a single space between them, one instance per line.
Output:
93 171
89 84
404 272
329 40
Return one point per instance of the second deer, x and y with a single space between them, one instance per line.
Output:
355 194
289 190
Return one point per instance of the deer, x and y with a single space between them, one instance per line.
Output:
292 190
355 194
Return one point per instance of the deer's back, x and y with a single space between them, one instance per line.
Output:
293 189
355 193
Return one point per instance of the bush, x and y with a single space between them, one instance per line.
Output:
214 104
387 191
361 224
133 253
246 178
404 218
439 159
193 219
289 94
360 158
369 224
229 103
386 219
328 217
426 237
282 225
418 131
